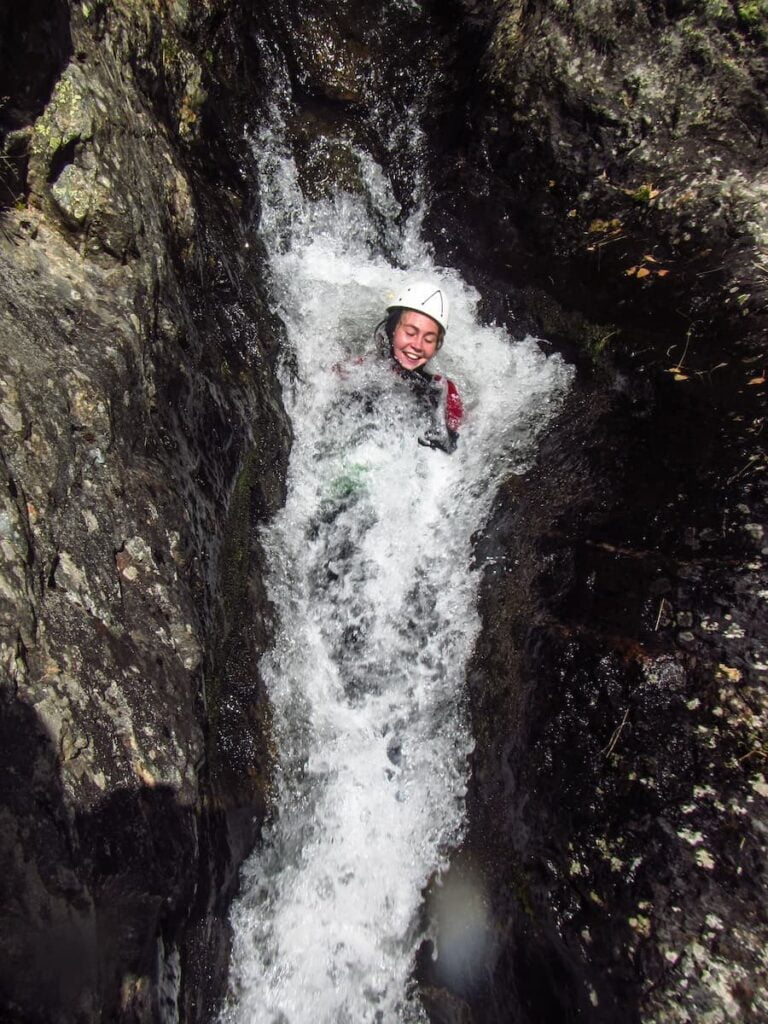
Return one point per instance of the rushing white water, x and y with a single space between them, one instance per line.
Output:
369 571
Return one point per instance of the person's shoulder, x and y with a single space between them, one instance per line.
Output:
450 386
454 407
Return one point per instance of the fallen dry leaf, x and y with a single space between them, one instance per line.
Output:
601 227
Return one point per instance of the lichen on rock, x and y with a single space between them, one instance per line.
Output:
67 120
121 436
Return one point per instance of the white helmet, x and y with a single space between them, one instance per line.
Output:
424 297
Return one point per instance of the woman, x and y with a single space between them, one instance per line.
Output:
411 334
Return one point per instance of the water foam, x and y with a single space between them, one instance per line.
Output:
369 571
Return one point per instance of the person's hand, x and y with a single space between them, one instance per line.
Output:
445 439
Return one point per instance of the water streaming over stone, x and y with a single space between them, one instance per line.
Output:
369 572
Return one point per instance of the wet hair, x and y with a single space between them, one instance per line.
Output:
390 322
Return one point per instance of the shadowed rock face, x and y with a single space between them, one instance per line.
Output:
619 807
35 45
610 167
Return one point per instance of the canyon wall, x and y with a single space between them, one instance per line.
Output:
598 171
611 164
143 440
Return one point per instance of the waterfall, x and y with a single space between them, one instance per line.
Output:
369 570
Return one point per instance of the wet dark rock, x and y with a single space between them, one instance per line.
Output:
602 182
353 85
618 794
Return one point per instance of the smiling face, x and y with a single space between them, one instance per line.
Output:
415 339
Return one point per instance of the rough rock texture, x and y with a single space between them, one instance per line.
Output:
610 163
350 87
597 169
620 808
612 155
142 439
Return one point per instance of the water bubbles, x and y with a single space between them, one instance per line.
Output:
370 575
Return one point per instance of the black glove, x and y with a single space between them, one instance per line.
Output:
439 435
445 439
